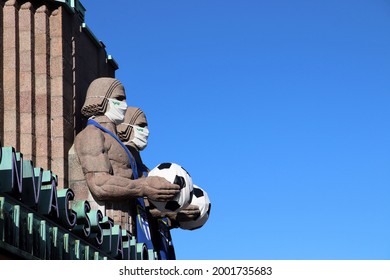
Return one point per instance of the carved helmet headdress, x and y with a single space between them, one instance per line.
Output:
134 129
98 94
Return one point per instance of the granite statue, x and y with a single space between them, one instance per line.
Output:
111 183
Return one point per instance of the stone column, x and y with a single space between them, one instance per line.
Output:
63 27
27 81
11 68
42 88
1 75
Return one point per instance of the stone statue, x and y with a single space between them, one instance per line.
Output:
110 182
134 133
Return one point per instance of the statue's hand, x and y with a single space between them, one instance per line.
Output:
156 213
159 189
189 213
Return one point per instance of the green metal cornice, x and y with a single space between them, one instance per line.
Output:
74 6
112 61
92 36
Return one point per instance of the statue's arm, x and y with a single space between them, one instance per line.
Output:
189 213
108 187
92 153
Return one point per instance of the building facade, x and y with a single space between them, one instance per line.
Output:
49 57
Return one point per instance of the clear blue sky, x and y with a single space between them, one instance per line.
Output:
278 109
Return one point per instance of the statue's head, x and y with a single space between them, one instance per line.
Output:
134 129
105 96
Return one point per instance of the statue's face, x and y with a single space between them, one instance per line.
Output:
119 93
98 93
134 117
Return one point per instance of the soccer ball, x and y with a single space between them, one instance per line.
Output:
200 199
175 174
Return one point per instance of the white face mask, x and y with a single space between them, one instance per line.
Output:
140 138
116 110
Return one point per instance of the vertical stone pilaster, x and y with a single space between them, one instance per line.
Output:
27 81
61 63
1 74
11 67
42 88
56 75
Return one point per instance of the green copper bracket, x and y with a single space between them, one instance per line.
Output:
2 218
86 252
42 240
16 225
55 243
77 249
152 255
66 246
30 233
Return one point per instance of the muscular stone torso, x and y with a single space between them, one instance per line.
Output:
100 154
